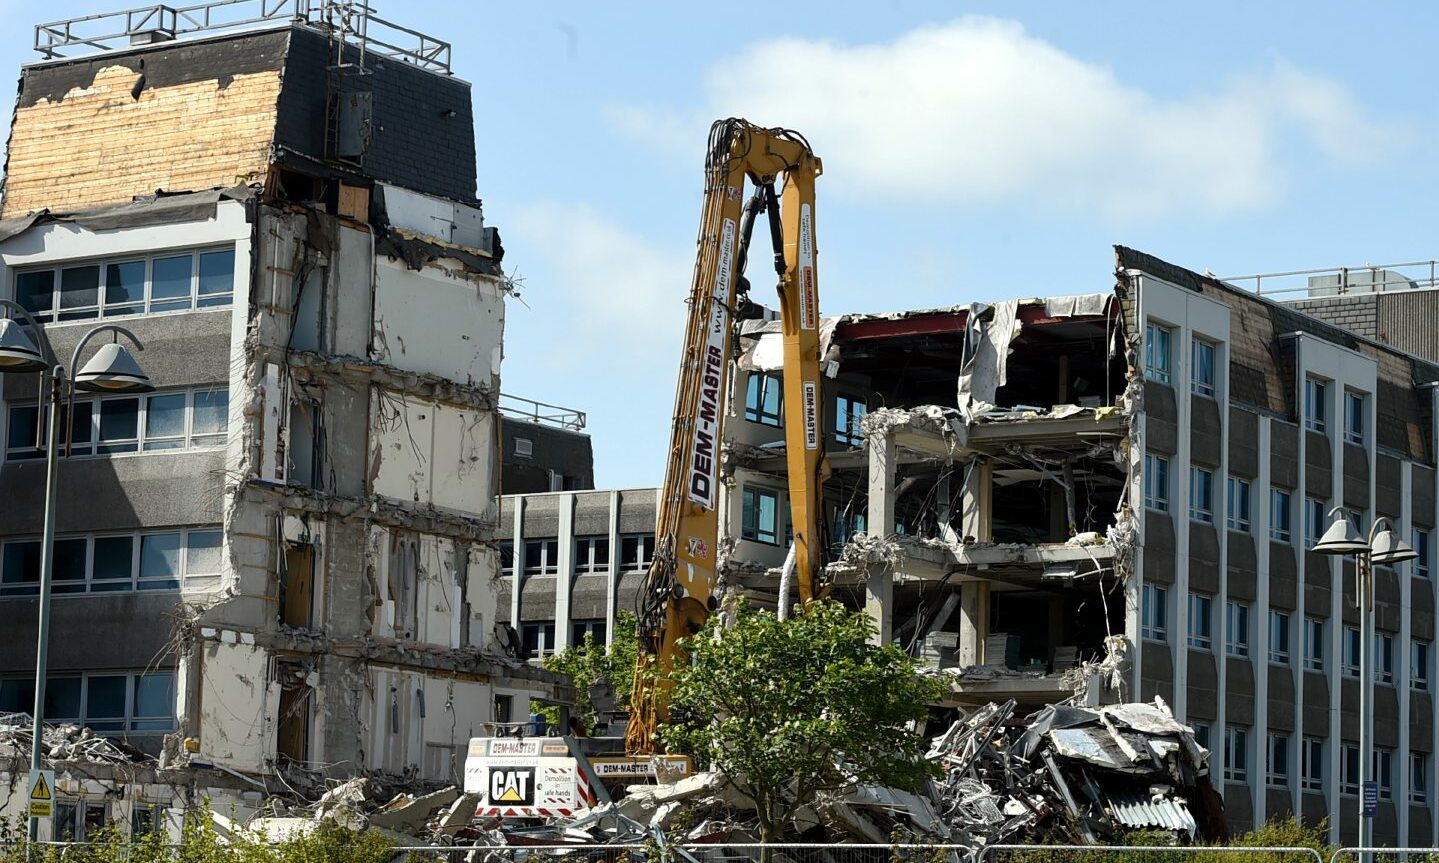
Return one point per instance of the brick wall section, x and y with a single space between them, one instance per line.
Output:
1355 313
107 129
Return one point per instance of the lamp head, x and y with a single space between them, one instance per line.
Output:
17 350
1341 538
113 370
1389 549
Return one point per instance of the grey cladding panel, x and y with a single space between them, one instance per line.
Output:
1356 477
1243 567
1281 697
1243 443
1203 557
1204 441
131 627
1387 485
1203 679
1283 455
1239 686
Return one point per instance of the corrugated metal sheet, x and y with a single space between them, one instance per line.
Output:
1408 321
1140 809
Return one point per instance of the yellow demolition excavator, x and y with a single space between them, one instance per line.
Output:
677 595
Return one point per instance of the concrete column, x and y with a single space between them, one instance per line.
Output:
517 572
973 622
879 582
565 571
976 501
612 583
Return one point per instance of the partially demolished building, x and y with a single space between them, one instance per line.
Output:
1107 498
283 563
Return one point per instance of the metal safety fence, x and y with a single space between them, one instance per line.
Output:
1147 854
1375 854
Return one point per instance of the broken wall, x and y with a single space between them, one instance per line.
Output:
438 322
433 454
432 589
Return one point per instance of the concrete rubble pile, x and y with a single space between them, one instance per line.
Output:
64 743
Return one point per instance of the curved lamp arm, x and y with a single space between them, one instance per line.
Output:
75 361
17 309
103 328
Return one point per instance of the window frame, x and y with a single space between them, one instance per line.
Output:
1316 404
1315 511
1311 764
1154 613
637 551
847 420
1349 770
1281 524
1421 656
1236 753
1354 414
1156 483
1384 657
137 582
1201 621
752 499
1236 646
1276 775
1237 496
756 389
1382 770
1315 631
1159 364
88 443
592 554
549 557
103 308
1281 644
1420 541
1418 776
128 721
1201 494
1350 660
1203 366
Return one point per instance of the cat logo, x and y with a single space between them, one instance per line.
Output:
512 785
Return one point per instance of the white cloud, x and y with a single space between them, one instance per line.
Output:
977 111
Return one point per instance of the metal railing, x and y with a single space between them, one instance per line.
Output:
1358 852
353 20
540 413
1150 853
1337 281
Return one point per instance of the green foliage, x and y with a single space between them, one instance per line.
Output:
591 663
786 709
1279 833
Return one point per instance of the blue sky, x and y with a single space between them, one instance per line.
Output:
973 151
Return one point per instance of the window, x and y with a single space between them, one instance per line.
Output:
636 551
1157 352
849 412
764 399
1154 617
109 702
1201 372
1384 657
1280 516
1156 483
1419 665
1421 547
167 282
594 629
760 516
1199 621
146 818
1236 629
1311 767
1418 777
1313 521
184 419
1201 495
1384 772
524 447
507 557
1279 637
1354 418
592 554
1313 644
538 637
1316 394
1237 513
1201 733
542 556
845 522
107 563
1349 778
1351 651
1236 753
79 820
1276 763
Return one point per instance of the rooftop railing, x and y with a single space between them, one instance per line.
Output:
540 413
353 20
1338 281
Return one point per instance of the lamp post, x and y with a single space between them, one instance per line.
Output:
111 370
1384 548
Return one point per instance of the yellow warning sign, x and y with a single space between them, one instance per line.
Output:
42 793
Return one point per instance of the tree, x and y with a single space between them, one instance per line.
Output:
788 709
592 663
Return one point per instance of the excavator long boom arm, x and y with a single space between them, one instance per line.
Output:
678 590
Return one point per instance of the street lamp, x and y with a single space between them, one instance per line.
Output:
1384 548
111 370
